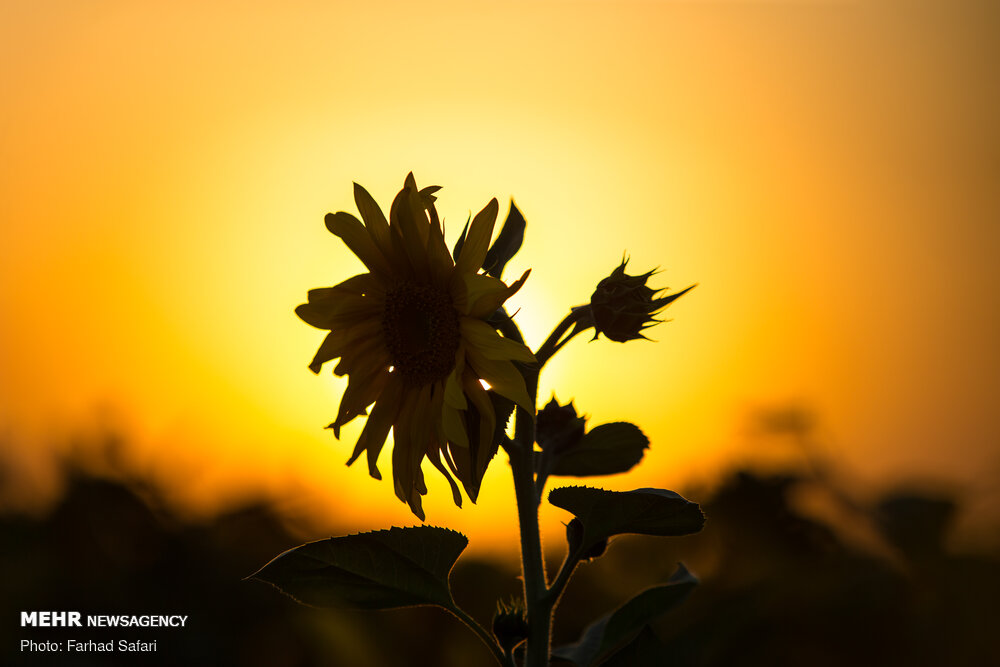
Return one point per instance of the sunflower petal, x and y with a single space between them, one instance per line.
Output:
377 427
344 311
374 220
418 480
438 257
487 342
502 376
467 288
343 304
412 499
359 240
453 428
421 430
477 242
416 503
416 205
428 193
453 396
402 436
361 284
460 460
360 393
456 495
485 302
367 355
337 343
471 462
410 226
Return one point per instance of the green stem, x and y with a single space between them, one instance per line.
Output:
532 563
542 477
538 599
480 632
578 319
562 577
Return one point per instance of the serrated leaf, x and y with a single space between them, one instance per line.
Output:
507 244
605 450
612 630
643 511
399 567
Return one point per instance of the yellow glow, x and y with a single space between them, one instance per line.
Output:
820 169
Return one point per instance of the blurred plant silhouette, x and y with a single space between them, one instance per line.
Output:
424 337
776 587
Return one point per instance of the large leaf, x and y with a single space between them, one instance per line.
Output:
612 630
399 567
646 650
643 511
507 244
605 450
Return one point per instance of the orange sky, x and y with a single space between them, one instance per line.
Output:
827 172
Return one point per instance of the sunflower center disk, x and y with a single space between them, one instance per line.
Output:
421 331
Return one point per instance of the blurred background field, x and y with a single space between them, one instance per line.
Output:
795 569
826 172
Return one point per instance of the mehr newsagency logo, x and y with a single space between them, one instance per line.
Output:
74 619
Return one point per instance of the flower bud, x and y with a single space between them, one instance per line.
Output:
574 537
509 624
557 427
622 305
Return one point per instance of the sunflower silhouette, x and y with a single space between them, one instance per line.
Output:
412 337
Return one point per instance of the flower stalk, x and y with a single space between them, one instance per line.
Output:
471 623
532 562
539 598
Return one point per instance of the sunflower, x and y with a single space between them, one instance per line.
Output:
412 337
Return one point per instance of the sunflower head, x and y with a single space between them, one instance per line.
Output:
412 336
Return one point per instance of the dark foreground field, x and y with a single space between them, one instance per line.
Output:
878 586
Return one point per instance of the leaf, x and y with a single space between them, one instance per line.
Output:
646 650
399 567
605 450
507 244
625 622
643 511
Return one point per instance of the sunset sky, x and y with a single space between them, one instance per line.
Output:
827 172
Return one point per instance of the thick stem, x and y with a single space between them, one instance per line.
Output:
537 597
532 562
542 477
